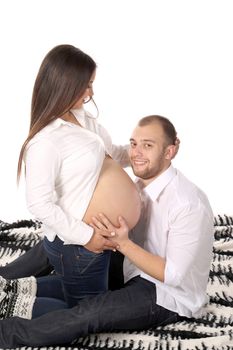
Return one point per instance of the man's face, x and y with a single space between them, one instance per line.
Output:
148 152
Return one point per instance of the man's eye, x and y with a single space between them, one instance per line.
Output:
132 144
147 145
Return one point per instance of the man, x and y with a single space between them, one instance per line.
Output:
167 260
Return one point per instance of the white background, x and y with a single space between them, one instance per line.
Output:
172 58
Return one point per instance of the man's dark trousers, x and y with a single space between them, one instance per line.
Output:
132 307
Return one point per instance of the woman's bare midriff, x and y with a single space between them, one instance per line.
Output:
115 194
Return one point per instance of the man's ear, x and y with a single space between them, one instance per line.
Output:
171 152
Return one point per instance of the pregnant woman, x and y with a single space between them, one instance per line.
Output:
72 174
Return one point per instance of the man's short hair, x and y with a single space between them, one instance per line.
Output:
168 128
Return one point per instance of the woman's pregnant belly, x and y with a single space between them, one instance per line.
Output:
115 194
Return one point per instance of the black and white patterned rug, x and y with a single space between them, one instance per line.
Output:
212 332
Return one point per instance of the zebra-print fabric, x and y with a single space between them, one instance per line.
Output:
214 331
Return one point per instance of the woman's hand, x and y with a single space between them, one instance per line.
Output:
100 241
118 235
151 264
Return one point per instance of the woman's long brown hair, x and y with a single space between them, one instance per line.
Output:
62 80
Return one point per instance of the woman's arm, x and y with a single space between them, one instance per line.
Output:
42 167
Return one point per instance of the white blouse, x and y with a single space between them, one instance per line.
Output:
63 162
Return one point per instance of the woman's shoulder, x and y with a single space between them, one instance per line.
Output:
48 133
45 138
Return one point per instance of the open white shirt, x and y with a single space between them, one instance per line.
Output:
63 163
176 224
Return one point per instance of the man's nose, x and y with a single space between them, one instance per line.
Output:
138 150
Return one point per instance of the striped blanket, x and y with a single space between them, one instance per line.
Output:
214 331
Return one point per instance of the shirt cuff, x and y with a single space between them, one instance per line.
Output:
81 235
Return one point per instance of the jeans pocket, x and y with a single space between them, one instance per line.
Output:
56 260
85 259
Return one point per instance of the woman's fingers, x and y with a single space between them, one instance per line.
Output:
105 221
110 245
102 231
97 223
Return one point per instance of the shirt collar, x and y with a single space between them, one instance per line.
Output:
82 116
155 188
79 114
56 123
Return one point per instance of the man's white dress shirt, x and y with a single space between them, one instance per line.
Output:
176 224
63 163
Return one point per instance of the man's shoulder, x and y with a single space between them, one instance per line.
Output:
182 182
184 191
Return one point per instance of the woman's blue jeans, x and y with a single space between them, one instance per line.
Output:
82 272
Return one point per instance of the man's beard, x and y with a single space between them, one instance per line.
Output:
149 173
144 173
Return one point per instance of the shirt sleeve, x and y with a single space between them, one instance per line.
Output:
120 153
189 242
42 168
